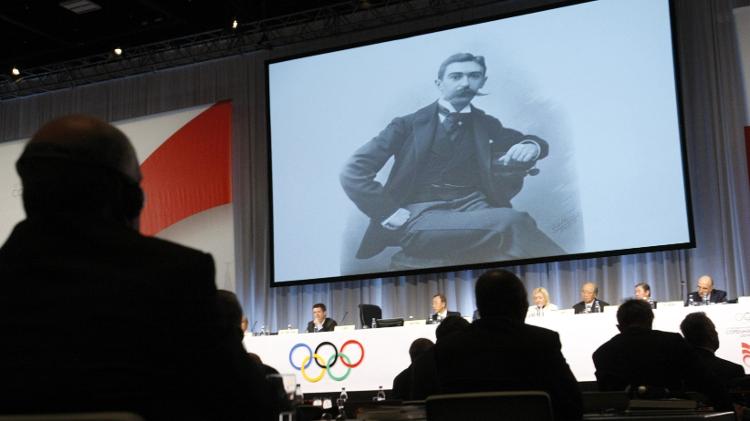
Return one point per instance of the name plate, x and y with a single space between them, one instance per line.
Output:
288 331
343 327
414 322
663 305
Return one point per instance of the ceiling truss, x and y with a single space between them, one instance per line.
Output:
336 20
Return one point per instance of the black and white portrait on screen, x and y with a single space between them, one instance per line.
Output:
560 94
447 198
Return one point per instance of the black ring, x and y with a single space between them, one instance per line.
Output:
335 350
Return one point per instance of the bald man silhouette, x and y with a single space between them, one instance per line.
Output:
95 316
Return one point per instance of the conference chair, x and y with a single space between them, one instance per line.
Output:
88 416
367 312
605 402
505 406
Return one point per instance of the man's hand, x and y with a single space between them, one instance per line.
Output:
520 153
396 220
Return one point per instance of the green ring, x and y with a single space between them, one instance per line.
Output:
330 372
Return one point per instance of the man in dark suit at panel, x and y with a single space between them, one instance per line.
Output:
500 352
447 199
590 302
95 316
320 323
705 292
440 308
641 356
699 331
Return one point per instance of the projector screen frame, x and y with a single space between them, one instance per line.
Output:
340 46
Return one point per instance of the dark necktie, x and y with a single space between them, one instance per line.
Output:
452 121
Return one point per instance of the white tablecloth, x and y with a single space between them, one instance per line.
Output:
386 350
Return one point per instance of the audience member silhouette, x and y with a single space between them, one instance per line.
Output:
500 352
699 331
233 319
641 356
424 381
402 381
230 313
95 316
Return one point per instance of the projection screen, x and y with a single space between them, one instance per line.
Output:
546 136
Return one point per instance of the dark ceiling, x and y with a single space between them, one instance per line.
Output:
36 32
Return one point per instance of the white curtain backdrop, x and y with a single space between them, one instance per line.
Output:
713 115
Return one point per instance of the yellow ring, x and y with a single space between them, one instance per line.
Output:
319 359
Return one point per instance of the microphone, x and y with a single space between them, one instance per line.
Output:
252 329
346 313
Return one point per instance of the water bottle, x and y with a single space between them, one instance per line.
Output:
597 308
691 302
374 323
289 326
340 404
381 394
262 330
706 301
299 398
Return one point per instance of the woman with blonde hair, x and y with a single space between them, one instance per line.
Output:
541 305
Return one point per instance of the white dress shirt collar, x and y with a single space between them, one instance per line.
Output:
448 106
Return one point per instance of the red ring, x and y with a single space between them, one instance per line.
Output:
361 348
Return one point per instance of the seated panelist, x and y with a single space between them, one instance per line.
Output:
590 302
320 323
643 292
705 292
440 308
541 305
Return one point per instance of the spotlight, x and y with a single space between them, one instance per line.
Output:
15 71
235 24
118 51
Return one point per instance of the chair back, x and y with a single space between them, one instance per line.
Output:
605 402
88 416
505 406
367 312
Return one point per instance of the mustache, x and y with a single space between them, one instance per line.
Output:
465 92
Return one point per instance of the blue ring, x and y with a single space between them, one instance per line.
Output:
292 352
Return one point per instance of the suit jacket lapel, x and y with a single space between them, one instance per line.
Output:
482 142
425 124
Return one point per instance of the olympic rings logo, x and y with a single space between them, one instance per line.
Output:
324 364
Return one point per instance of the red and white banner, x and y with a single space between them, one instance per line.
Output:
185 158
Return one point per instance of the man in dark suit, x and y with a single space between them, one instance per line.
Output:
641 356
424 381
699 331
402 381
440 308
447 197
500 352
642 291
320 323
705 293
96 317
590 303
